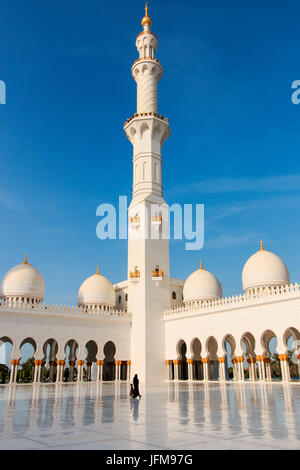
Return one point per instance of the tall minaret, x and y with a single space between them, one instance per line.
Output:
148 245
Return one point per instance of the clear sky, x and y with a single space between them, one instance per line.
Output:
234 146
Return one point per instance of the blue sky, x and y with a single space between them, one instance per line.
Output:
234 146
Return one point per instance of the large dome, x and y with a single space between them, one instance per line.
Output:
23 281
264 269
201 285
96 290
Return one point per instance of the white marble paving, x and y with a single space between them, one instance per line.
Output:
168 416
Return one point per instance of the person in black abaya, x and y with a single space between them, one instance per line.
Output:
136 392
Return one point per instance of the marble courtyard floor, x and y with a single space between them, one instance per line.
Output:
168 416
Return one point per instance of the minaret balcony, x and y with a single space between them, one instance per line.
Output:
157 275
156 220
135 275
142 115
134 221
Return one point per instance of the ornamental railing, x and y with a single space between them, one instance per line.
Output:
262 295
152 113
82 311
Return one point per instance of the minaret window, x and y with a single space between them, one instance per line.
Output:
174 296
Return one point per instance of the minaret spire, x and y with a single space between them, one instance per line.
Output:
147 130
146 21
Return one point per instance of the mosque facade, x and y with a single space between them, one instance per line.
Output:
151 324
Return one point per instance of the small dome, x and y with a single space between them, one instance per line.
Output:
96 290
264 269
201 285
23 281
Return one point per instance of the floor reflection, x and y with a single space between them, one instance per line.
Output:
167 416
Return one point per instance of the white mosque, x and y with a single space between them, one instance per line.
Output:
151 324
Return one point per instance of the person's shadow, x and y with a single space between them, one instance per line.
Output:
134 407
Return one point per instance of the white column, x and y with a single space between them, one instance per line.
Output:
80 370
234 369
222 373
99 371
205 370
261 368
176 370
16 370
118 370
37 371
240 368
13 369
268 369
129 370
252 369
190 369
285 370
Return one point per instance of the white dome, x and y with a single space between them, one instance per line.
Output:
264 269
97 290
201 285
23 280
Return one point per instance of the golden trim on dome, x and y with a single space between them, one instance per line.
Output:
201 265
26 259
97 272
262 246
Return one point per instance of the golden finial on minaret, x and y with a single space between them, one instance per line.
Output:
26 259
146 19
98 270
262 245
201 265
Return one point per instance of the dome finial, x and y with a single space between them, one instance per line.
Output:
146 20
201 264
98 270
262 245
26 259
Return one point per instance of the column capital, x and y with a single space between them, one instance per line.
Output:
221 360
168 362
260 358
240 359
190 361
80 362
251 360
128 363
100 363
176 362
15 362
283 357
205 360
